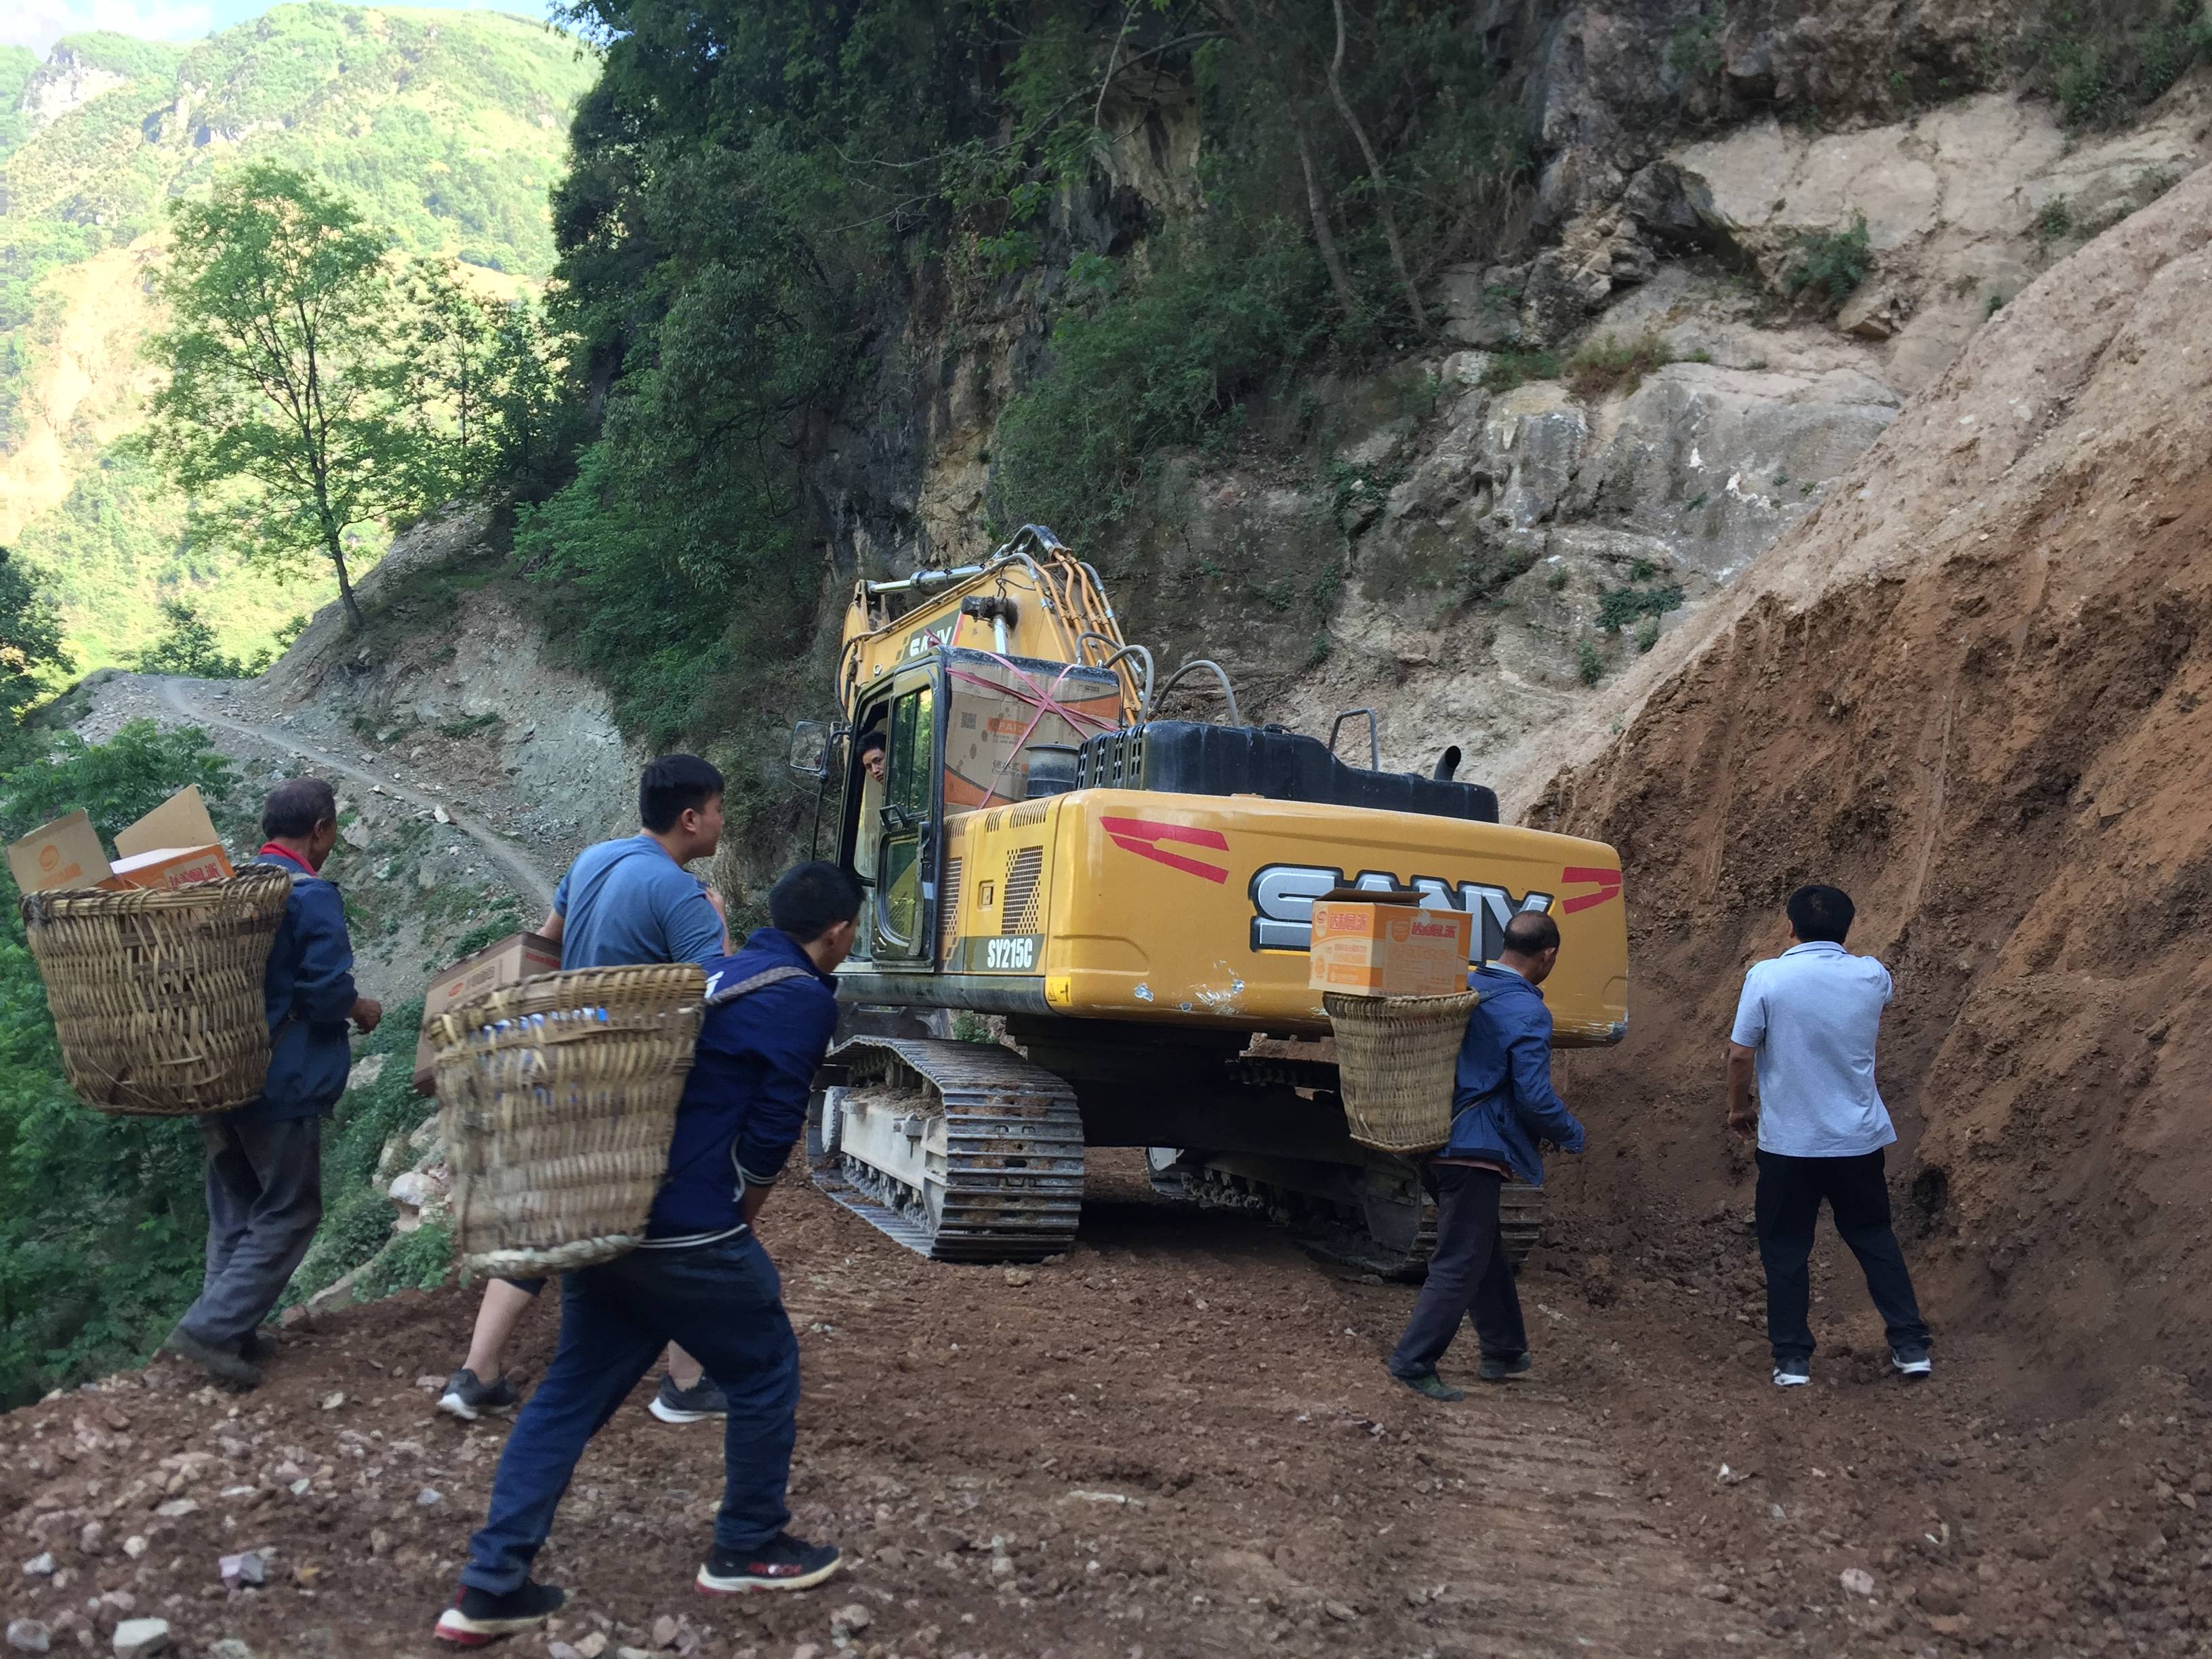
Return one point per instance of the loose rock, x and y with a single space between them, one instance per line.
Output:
135 1638
39 1567
29 1636
851 1617
1857 1581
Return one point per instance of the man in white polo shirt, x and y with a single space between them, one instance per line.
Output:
1807 1023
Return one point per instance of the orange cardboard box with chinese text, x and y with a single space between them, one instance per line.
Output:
1381 944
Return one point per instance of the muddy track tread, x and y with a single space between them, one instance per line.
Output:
1013 1154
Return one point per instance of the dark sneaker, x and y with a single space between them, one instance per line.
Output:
1792 1373
227 1365
696 1404
784 1563
1496 1368
1428 1383
467 1399
477 1617
1910 1362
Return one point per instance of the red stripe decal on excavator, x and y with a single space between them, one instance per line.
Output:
1606 881
1142 836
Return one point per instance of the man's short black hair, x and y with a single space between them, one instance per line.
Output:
808 900
871 739
1822 913
296 806
672 786
1531 932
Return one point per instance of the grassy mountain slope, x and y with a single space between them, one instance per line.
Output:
448 128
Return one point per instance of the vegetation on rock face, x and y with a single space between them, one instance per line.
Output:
1828 265
30 640
2102 60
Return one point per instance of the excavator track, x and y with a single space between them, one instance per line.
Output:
962 1151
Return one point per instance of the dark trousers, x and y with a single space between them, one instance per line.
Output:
1788 1207
265 1201
1470 1274
724 1304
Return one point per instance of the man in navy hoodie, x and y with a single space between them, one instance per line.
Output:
1502 1103
265 1175
700 1278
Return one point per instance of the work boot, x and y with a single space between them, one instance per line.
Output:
696 1404
257 1346
468 1398
225 1364
478 1618
1431 1386
1496 1368
784 1563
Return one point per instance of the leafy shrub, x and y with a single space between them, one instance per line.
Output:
186 645
1590 661
2103 61
1602 368
2055 221
1619 606
1829 264
1694 49
1556 580
1647 634
1507 370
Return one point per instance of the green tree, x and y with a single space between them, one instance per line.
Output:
30 639
187 645
283 400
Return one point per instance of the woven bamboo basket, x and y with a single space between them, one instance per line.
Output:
157 995
1394 1057
557 1101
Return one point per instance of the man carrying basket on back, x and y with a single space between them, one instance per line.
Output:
1502 1103
700 1278
265 1175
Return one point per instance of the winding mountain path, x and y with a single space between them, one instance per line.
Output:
528 874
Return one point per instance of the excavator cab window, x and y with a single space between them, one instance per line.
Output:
904 809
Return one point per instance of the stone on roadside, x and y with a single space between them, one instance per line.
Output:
134 1547
231 1648
243 1571
561 1650
853 1616
333 1402
591 1646
429 1496
663 1631
1019 1276
39 1567
29 1636
177 1508
139 1638
1857 1581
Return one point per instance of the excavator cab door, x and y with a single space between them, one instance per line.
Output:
895 821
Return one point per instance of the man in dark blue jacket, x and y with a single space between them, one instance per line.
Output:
264 1181
1502 1103
700 1278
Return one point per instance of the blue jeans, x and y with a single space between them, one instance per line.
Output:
724 1305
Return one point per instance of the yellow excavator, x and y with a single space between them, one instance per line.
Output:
1130 897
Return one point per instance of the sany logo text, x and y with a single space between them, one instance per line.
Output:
1283 897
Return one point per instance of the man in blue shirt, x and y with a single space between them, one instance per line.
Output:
701 1278
1806 1025
621 903
264 1174
1501 1102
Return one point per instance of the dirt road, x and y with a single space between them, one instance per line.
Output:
1177 1440
530 877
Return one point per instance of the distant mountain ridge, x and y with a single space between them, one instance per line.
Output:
446 128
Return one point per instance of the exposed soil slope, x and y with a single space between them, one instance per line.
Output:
1974 690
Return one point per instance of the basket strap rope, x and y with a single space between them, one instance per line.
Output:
759 981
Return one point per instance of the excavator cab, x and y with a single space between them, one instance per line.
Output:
964 731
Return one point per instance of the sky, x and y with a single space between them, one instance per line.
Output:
38 23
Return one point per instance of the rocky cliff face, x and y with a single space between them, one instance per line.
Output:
1470 537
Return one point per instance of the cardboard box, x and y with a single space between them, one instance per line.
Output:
64 854
172 867
172 846
508 961
1384 944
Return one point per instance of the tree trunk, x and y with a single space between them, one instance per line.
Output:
1375 172
354 620
1323 236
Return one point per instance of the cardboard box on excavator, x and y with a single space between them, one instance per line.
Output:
506 962
173 845
1385 945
